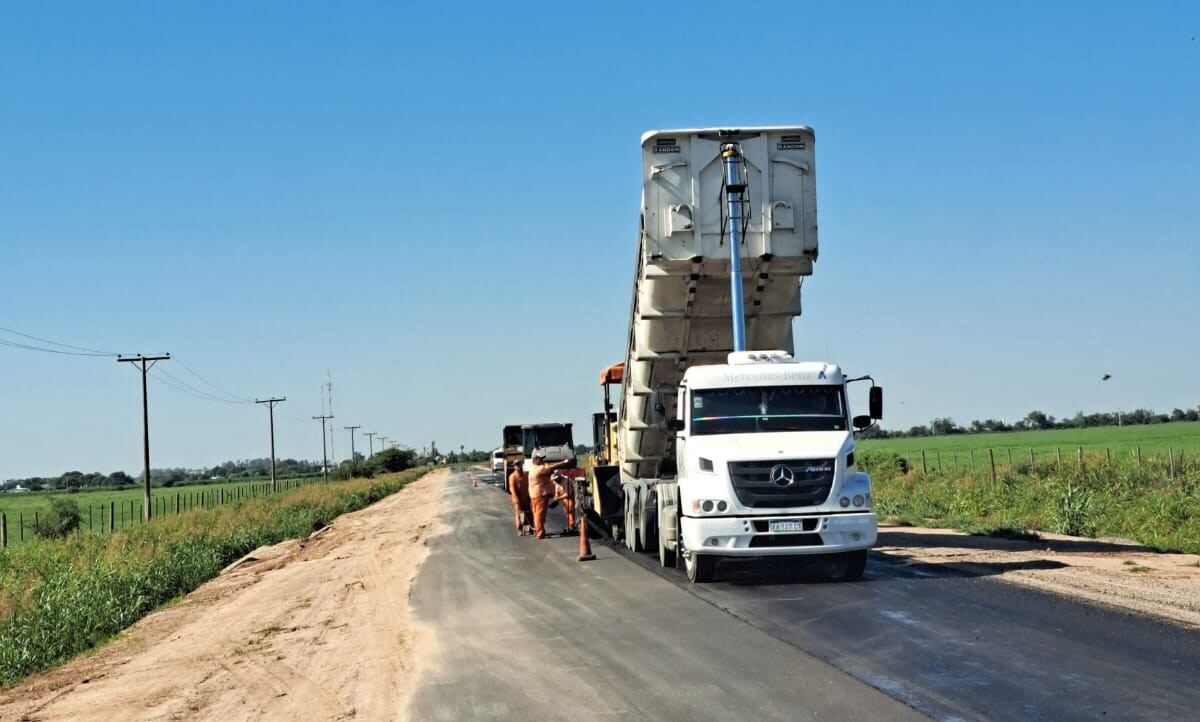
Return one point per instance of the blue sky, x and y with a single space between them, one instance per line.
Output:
438 204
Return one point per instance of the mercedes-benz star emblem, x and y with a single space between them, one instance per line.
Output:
782 475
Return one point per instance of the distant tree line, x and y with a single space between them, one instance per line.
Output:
387 460
245 469
946 426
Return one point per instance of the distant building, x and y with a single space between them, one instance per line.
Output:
18 489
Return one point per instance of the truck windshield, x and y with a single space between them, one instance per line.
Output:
768 408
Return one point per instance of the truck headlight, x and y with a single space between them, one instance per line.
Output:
708 506
858 500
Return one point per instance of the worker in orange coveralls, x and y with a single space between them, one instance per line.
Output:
565 492
541 490
518 489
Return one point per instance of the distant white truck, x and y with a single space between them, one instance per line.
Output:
498 461
723 451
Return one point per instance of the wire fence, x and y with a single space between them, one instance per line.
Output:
1171 463
120 514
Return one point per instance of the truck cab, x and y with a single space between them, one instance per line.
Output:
554 441
764 449
514 456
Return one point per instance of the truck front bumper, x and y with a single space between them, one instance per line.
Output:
750 536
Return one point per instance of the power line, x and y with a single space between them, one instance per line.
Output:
163 378
27 347
187 368
89 351
178 380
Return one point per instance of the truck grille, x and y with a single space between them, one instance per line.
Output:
786 540
811 480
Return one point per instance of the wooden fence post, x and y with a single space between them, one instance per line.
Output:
1171 463
3 530
1010 468
1108 454
21 525
1138 451
992 461
1079 457
1059 453
89 517
112 513
1031 457
972 461
924 466
939 459
956 462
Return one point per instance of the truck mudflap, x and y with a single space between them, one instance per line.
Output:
779 535
605 501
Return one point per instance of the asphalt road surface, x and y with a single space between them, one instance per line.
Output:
526 631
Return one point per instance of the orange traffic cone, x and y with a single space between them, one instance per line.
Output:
585 545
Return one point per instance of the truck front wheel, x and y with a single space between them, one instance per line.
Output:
853 565
699 567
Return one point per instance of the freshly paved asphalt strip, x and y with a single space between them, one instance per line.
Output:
963 646
524 631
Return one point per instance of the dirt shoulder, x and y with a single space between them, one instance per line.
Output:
314 629
1113 573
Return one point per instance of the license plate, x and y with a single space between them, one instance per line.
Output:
785 525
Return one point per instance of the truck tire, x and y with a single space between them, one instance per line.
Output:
647 523
699 567
666 557
633 535
853 565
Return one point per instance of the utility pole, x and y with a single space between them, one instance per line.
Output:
370 443
352 428
324 454
382 443
145 363
329 385
271 415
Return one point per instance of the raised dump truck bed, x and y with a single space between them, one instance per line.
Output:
681 299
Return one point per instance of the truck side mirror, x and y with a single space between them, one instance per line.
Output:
862 422
875 402
675 425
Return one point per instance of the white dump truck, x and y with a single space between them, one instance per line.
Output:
725 445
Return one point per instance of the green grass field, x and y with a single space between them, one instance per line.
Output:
95 505
63 596
1154 440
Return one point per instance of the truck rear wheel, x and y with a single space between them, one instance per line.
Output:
647 512
853 565
666 557
632 533
699 567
